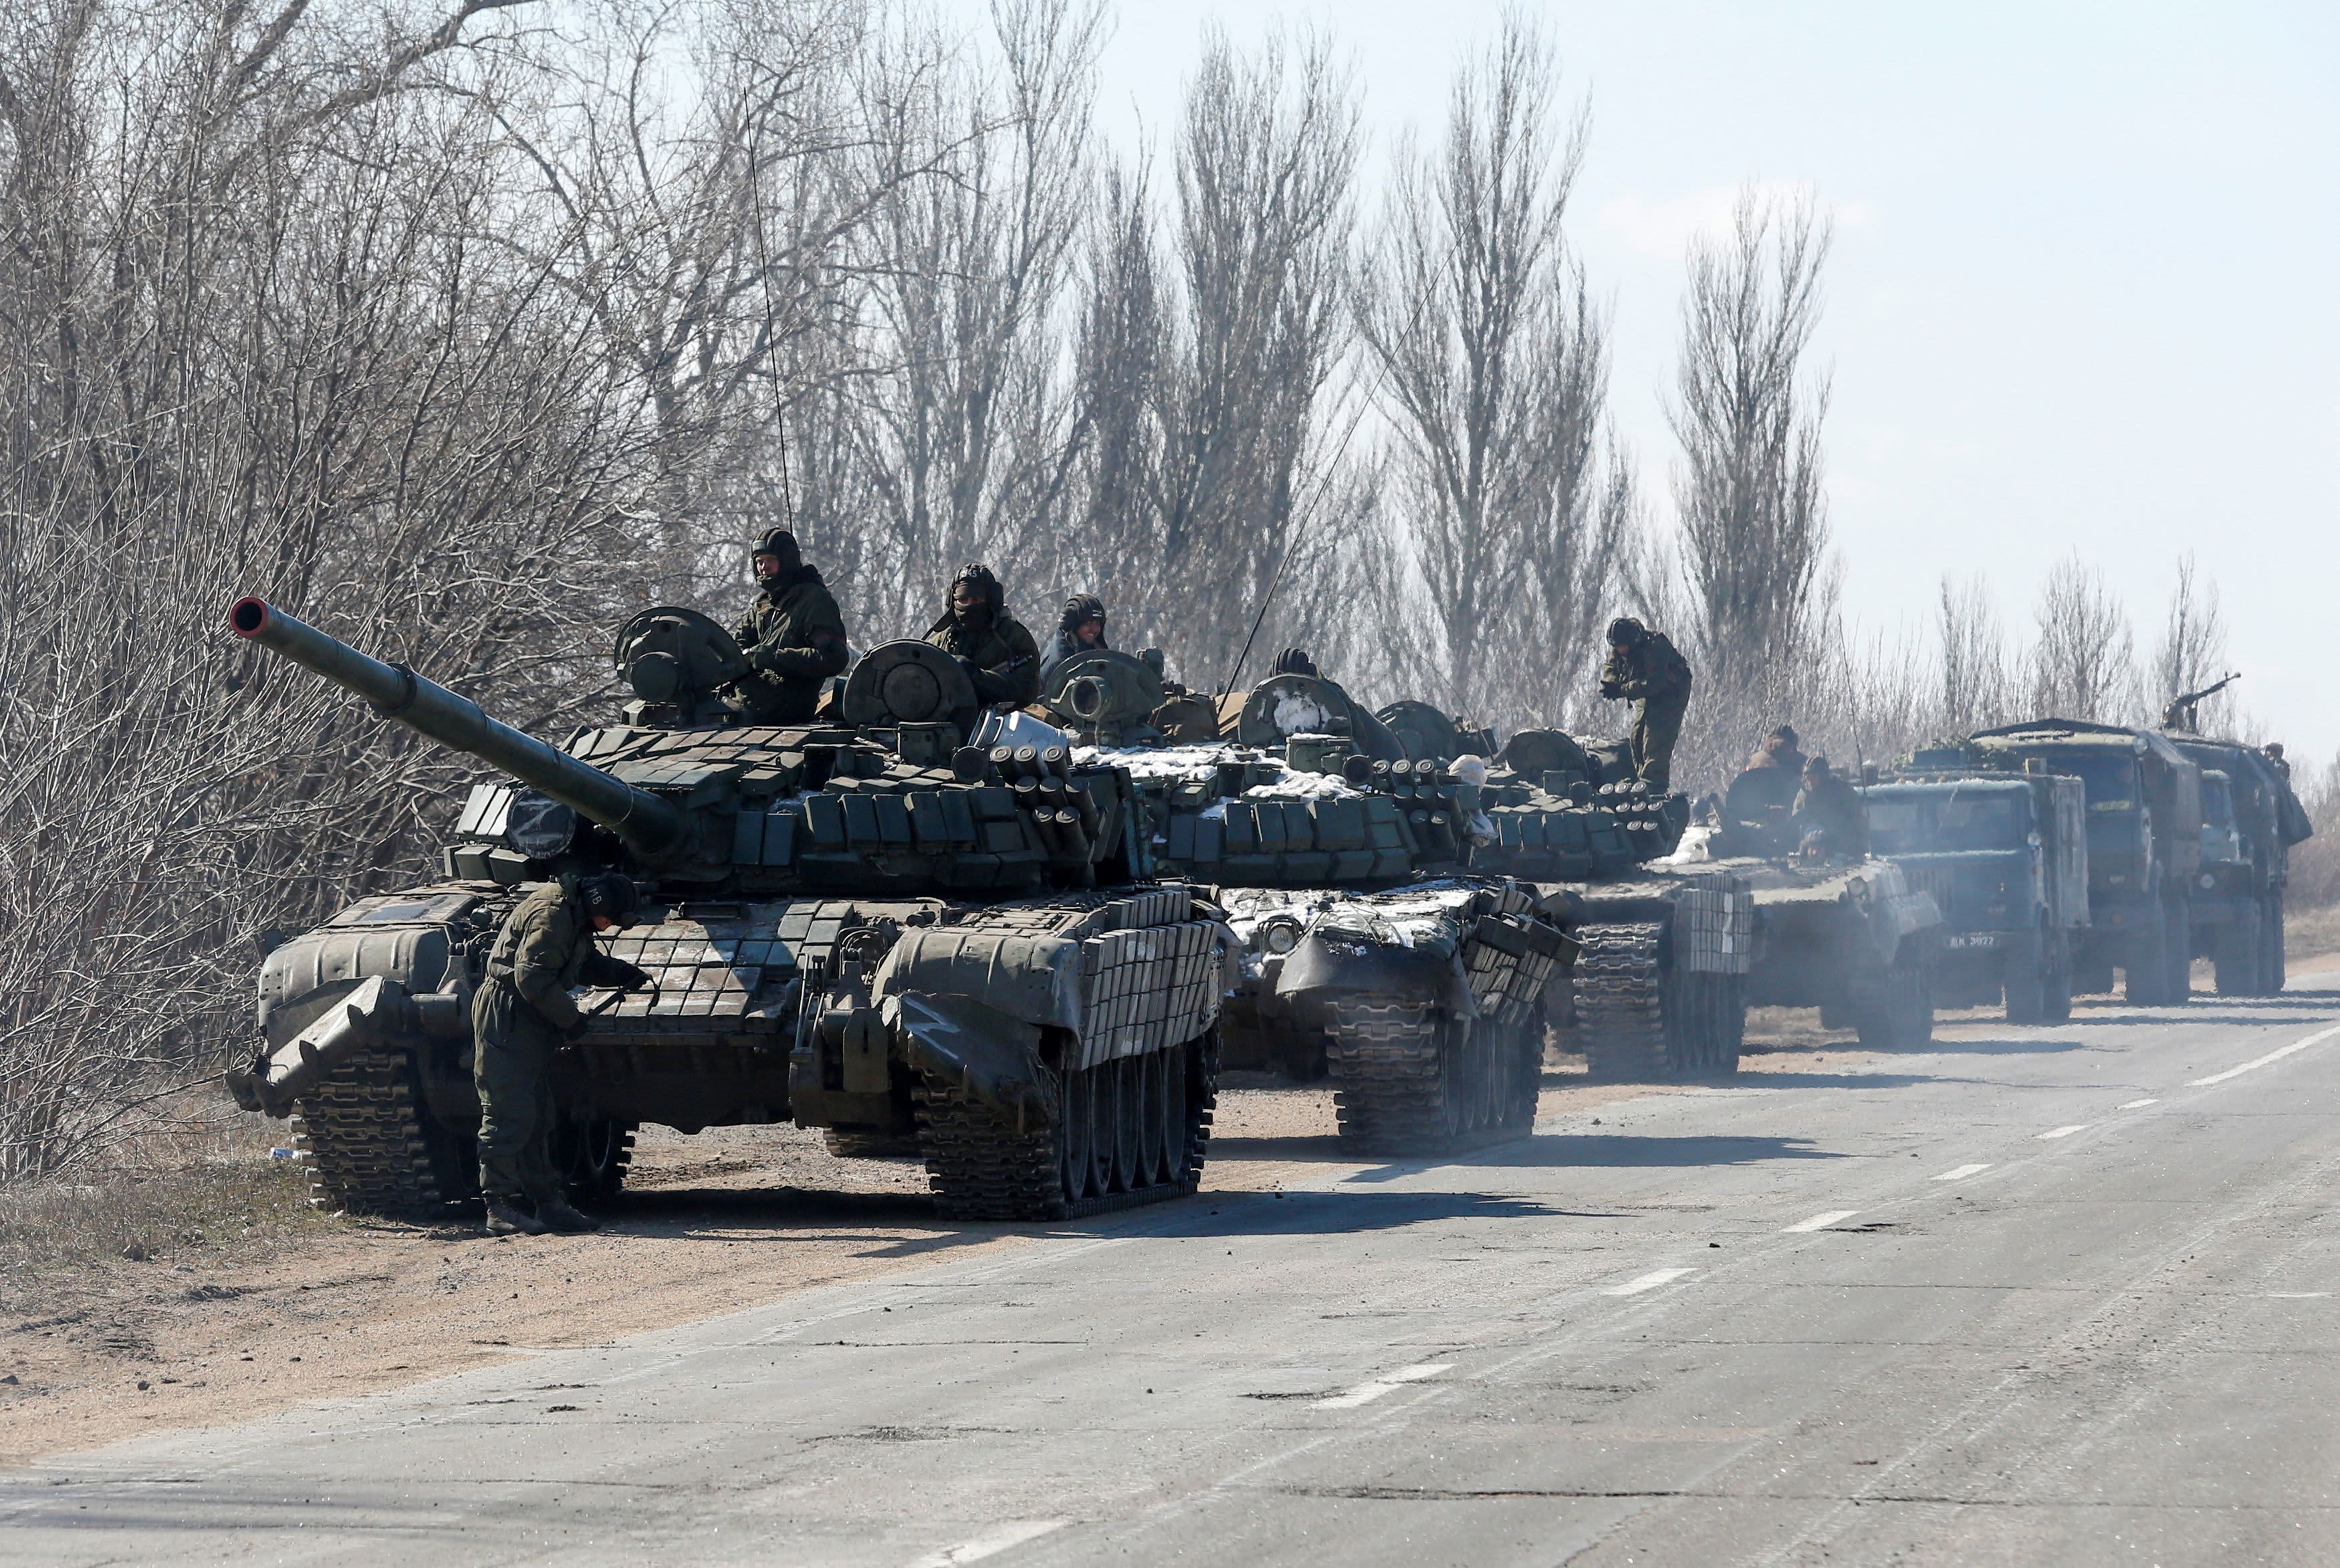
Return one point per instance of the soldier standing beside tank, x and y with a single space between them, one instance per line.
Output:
977 630
519 1015
1082 631
1644 669
793 635
1829 805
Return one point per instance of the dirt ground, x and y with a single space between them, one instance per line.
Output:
272 1306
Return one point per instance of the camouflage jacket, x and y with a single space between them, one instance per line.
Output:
546 949
1834 807
793 644
1650 672
1005 660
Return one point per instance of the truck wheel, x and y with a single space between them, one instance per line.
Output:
2057 981
2271 945
2241 970
2145 976
2026 981
2178 938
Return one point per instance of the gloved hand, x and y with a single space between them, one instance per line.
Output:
1612 690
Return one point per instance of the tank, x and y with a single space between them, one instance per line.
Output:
1658 990
2006 861
1393 940
869 926
1852 936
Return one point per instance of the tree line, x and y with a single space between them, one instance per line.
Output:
466 328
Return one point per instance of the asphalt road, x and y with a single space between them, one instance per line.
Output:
2057 1294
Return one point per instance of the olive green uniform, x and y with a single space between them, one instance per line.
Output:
1656 679
1005 660
1831 805
519 1017
794 641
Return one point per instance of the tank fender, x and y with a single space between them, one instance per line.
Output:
378 1009
1321 966
980 1050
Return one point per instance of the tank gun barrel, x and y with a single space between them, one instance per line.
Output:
648 825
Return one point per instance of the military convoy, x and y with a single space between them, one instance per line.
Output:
869 926
1024 950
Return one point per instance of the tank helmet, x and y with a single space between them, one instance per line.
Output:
1785 734
2274 749
610 896
1625 631
1816 767
977 575
781 545
1294 662
1080 608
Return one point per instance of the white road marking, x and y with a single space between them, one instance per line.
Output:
1821 1221
1649 1281
2139 1104
2066 1131
1389 1383
991 1543
2276 1055
2299 1296
1962 1172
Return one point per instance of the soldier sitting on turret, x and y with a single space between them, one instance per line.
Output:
1082 631
1830 805
1644 669
793 636
2273 751
975 628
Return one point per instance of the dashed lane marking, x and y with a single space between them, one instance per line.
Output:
1819 1221
2277 1054
2139 1104
1649 1281
991 1543
2066 1131
2299 1296
1389 1383
1962 1172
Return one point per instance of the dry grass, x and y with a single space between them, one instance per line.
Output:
204 1176
2311 932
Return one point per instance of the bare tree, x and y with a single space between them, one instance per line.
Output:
2084 663
1748 412
1976 686
2191 652
1493 369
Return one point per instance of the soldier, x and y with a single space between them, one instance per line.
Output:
793 635
519 1015
1829 806
1781 749
2273 751
1082 631
1644 669
977 629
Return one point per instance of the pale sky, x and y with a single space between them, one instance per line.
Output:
2083 292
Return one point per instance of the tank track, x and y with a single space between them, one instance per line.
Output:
1639 1020
369 1150
1412 1082
980 1166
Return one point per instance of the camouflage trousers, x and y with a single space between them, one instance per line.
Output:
511 1066
1656 727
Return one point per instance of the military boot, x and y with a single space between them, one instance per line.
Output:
557 1215
507 1217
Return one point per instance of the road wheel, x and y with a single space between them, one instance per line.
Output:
2240 969
2145 978
1080 1133
1893 1006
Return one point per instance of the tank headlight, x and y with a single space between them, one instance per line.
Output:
1279 937
2209 881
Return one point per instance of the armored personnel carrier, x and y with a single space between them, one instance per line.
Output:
2005 859
867 926
2144 846
1848 934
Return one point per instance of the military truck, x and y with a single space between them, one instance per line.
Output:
867 926
2250 820
2144 846
2006 861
